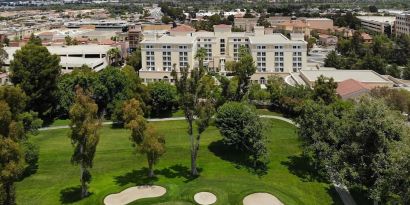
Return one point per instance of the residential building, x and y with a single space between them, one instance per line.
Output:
327 40
402 25
378 24
272 53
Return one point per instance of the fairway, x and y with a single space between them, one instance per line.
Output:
117 167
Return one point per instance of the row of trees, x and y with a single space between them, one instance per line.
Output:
383 55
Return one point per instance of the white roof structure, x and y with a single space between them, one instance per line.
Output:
381 19
366 76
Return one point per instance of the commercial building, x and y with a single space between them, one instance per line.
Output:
402 25
378 24
94 56
368 78
272 53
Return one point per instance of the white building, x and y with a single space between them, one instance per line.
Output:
403 23
272 53
379 24
94 56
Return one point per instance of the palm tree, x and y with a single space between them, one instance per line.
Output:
113 53
200 55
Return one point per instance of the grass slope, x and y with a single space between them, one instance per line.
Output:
117 167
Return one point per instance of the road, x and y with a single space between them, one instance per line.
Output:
341 189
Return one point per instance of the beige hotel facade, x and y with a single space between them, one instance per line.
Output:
272 53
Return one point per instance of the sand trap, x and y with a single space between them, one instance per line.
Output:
261 199
134 193
205 198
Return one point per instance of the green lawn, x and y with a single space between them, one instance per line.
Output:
264 111
116 167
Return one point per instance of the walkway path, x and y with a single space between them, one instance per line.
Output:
341 189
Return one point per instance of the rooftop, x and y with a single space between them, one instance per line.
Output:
350 87
364 76
389 19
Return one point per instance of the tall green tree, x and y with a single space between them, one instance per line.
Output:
134 59
114 55
36 71
200 56
84 135
243 70
134 120
333 60
153 146
197 98
14 124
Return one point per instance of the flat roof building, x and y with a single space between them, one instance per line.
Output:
368 77
378 24
402 25
94 56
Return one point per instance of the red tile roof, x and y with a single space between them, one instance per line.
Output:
350 86
183 28
106 42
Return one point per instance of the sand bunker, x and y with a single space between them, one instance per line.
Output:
261 199
205 198
134 193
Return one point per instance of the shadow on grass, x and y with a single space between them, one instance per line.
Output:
71 194
302 167
239 158
140 177
336 200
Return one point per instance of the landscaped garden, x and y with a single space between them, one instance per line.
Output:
117 166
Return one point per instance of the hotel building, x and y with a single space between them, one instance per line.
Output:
272 53
403 23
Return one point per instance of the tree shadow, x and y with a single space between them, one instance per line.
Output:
239 158
140 177
178 171
71 194
336 200
137 177
302 167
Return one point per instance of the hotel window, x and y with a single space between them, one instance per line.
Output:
149 46
261 61
260 47
278 47
166 47
297 61
279 62
166 61
222 46
208 48
236 51
183 59
150 56
183 47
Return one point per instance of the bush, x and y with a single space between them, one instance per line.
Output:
242 129
31 156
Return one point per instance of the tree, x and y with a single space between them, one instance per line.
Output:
311 41
166 19
333 60
34 40
84 135
68 40
263 22
242 129
325 90
14 124
36 71
153 145
373 9
134 59
393 70
83 77
163 96
197 98
353 144
134 120
406 72
375 63
243 70
3 57
200 55
114 54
